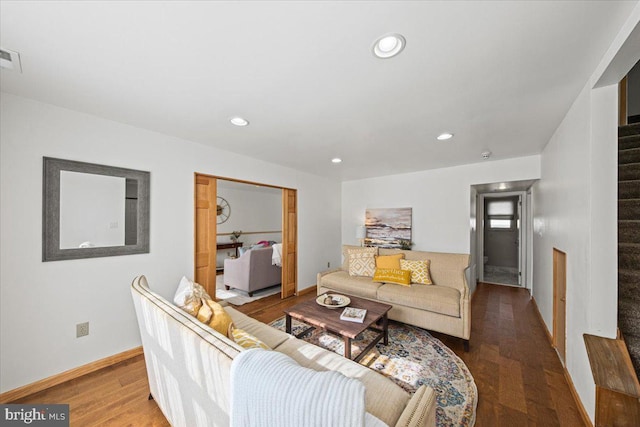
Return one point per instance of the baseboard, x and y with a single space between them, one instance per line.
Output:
572 388
38 386
544 325
308 290
583 412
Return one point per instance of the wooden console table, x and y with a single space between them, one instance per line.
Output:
236 245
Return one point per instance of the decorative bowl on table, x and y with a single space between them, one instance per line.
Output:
333 300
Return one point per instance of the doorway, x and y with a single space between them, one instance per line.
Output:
217 200
502 238
559 302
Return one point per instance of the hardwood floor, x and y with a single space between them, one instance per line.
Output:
113 396
519 377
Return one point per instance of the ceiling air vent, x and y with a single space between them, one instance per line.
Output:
10 60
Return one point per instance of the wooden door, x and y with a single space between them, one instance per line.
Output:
289 242
622 102
559 302
205 232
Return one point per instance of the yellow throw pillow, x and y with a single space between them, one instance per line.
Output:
246 340
419 270
219 319
392 275
204 312
389 261
362 261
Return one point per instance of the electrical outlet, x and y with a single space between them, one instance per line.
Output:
82 329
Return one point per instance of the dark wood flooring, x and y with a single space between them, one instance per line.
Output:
519 377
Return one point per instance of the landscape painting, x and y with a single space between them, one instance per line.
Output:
388 227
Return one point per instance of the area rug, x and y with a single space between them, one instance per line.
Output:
238 297
412 358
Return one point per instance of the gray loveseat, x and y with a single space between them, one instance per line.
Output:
252 271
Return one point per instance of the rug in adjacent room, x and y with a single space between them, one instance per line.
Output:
238 297
412 358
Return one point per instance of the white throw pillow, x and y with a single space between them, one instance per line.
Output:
188 296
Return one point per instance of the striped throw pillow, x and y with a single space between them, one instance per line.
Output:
246 340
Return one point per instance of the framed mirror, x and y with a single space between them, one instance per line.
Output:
91 210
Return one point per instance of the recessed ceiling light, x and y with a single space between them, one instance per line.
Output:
336 160
239 121
444 136
389 46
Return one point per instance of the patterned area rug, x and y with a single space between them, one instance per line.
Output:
412 358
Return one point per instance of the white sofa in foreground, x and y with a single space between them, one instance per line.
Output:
189 364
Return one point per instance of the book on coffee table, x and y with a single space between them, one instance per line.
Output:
351 314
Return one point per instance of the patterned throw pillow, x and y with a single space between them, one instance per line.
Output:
419 270
389 261
392 275
362 261
246 340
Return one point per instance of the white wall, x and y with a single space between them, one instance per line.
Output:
252 209
40 303
473 237
575 211
440 199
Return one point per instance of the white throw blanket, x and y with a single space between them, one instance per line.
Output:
269 388
276 257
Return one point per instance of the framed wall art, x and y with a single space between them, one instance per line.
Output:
388 227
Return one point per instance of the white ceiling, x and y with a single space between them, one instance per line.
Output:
499 75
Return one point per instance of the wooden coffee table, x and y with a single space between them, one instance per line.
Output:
328 319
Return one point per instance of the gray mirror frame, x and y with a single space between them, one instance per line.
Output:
51 210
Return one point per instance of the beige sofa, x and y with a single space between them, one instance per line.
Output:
442 307
188 365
